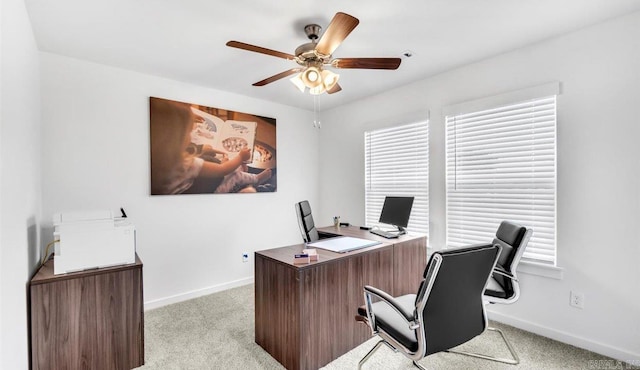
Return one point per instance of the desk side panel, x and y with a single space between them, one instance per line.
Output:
375 269
410 260
277 315
331 294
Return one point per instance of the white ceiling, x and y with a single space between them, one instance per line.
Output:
185 40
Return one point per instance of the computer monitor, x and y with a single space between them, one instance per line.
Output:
396 212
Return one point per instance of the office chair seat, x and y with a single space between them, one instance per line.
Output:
494 289
388 320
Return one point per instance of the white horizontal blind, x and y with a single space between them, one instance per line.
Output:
397 164
501 165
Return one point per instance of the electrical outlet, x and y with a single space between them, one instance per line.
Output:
576 299
245 257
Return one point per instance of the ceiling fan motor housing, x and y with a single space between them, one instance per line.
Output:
306 54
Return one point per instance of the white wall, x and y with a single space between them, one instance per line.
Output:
96 124
20 190
96 155
598 174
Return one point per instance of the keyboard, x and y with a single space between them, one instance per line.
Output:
384 234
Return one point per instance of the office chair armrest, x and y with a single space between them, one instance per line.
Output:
505 273
408 316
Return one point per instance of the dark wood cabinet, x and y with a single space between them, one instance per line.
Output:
305 314
87 320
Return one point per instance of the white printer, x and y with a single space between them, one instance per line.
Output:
92 239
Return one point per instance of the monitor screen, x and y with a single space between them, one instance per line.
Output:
396 211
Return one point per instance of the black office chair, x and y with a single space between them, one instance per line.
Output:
446 311
503 286
305 221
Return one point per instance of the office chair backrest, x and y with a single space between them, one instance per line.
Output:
513 238
509 236
450 298
305 221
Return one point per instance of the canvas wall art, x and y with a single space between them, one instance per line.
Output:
197 149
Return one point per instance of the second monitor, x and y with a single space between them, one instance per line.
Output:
396 212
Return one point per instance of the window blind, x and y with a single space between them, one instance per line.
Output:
397 164
501 165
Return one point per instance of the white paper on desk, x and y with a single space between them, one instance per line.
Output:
342 244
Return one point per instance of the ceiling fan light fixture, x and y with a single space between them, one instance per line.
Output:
318 80
297 81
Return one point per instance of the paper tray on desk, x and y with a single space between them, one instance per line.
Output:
342 244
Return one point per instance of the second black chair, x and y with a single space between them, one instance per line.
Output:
503 286
305 221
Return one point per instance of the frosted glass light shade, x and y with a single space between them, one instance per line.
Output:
297 80
311 77
329 79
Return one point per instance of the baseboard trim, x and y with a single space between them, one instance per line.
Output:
568 338
149 305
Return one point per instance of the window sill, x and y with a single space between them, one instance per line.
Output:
530 268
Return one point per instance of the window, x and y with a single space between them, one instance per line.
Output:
397 164
501 165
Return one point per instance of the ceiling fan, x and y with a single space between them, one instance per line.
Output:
315 55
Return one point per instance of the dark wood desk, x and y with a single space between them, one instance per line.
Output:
305 313
87 320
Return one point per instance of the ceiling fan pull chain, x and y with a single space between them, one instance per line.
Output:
316 108
315 112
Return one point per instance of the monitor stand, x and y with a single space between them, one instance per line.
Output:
401 230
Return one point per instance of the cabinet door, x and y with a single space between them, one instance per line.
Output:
119 319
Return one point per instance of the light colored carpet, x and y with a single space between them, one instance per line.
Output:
217 332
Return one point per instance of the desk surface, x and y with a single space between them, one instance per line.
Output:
45 272
285 254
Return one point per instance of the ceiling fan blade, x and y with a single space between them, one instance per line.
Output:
258 49
340 27
367 63
334 89
277 77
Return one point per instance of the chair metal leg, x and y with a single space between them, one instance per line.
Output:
376 347
514 361
419 366
369 354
